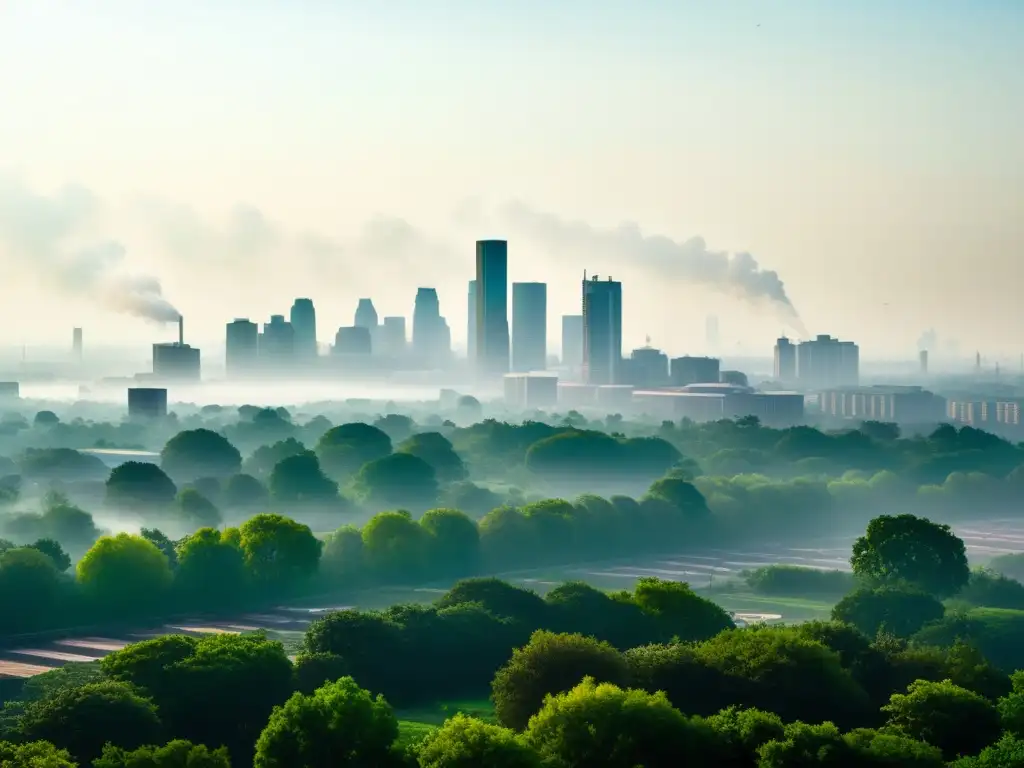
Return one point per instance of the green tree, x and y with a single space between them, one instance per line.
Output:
125 574
218 689
881 748
465 742
199 453
957 721
436 449
454 544
314 670
602 724
343 556
340 724
399 480
900 611
176 754
1011 706
81 720
499 598
278 551
682 612
45 419
139 487
1008 752
53 550
244 493
161 541
266 457
394 545
299 479
211 570
905 549
35 754
808 745
196 509
743 732
550 663
30 590
344 449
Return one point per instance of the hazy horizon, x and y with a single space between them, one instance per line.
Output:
242 155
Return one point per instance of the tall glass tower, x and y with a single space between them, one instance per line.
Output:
492 306
602 330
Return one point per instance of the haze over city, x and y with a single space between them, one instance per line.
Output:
245 154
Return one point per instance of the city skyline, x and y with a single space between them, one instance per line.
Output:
869 195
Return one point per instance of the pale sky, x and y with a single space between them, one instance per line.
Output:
246 152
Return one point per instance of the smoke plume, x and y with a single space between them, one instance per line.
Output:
738 274
53 239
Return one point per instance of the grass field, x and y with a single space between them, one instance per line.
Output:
792 609
416 724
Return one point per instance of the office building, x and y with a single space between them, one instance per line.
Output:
492 342
826 362
646 367
785 361
531 390
241 356
572 341
303 320
923 358
392 337
602 330
366 315
76 343
431 337
471 321
529 327
895 404
713 402
147 402
277 345
694 370
353 340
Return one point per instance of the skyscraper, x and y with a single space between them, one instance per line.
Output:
785 361
76 343
529 327
277 344
431 337
471 322
492 306
572 341
392 336
242 347
303 321
366 315
827 362
602 330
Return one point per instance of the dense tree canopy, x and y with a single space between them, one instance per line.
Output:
198 453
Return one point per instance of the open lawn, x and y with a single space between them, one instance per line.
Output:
415 724
793 610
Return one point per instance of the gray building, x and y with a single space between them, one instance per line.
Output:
76 343
392 337
366 315
277 344
572 341
529 327
826 362
353 340
176 360
785 361
646 367
241 355
431 337
694 370
492 338
147 402
471 321
303 320
602 330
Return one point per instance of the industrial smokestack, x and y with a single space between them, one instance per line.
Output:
924 362
181 330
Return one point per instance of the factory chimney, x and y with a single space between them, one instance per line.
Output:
181 330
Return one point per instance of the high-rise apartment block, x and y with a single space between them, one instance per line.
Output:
241 348
785 361
826 362
602 330
303 322
572 341
688 370
492 342
529 327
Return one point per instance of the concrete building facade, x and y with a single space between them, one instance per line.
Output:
529 327
602 330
